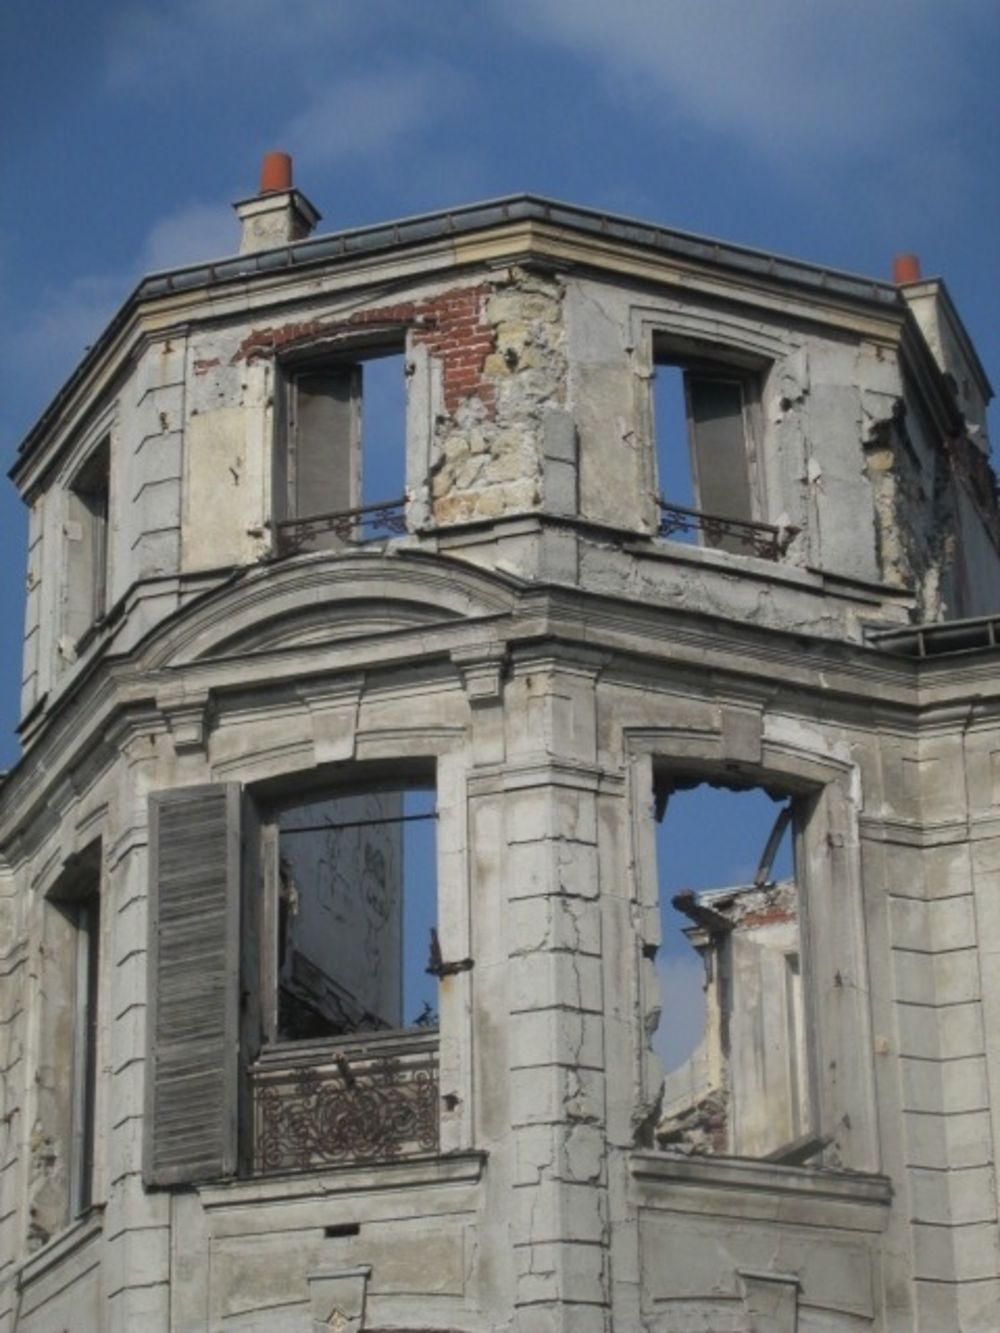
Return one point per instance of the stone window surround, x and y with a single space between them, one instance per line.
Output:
828 873
100 433
72 883
703 340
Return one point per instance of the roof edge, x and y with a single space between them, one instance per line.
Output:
463 220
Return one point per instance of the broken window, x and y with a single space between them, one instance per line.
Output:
704 415
349 882
732 1032
294 962
343 459
66 1076
349 1020
86 533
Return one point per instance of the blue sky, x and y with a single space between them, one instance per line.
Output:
840 131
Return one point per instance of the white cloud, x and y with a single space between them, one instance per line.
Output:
682 1021
153 46
372 114
193 233
64 321
62 324
791 77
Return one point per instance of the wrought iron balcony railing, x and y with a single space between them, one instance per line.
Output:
760 539
345 1101
367 523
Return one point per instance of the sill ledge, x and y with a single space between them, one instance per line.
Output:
66 1242
460 1168
747 1174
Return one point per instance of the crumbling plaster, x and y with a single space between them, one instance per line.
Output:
529 393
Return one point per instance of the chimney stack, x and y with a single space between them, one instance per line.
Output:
278 214
905 269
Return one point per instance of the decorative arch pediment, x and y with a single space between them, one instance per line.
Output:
325 600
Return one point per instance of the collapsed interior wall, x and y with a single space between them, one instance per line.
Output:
937 514
744 1091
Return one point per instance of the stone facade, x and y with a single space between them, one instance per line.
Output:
198 1131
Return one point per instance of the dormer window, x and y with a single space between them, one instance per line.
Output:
340 462
706 427
86 545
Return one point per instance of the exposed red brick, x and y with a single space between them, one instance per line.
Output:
767 916
203 366
451 326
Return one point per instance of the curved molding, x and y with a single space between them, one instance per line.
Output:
325 599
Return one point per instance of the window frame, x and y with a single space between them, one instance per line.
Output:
87 914
718 952
270 1061
698 361
265 866
86 570
72 982
219 863
831 907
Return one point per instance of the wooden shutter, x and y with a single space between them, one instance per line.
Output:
719 458
325 445
192 1063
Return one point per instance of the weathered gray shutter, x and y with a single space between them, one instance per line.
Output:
719 459
325 444
193 1013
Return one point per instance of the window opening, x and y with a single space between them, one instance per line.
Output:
383 436
732 1027
355 902
88 929
343 471
66 1074
702 414
87 544
702 443
673 450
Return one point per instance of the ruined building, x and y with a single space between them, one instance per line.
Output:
385 589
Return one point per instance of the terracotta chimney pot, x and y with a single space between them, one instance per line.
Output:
905 268
276 173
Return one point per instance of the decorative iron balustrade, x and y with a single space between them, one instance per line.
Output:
761 539
365 524
345 1102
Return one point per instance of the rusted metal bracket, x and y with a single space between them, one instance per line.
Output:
706 917
436 965
799 1151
